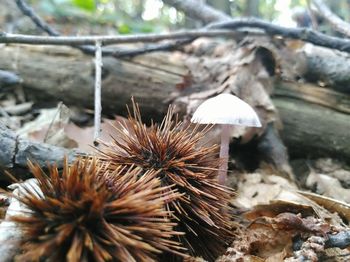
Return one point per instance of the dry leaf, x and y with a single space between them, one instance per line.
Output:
333 205
327 186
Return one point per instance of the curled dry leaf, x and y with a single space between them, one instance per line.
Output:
260 191
333 205
48 127
295 222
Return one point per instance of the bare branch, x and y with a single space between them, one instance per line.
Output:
15 152
109 40
98 72
28 11
270 29
312 15
339 24
199 11
235 27
228 29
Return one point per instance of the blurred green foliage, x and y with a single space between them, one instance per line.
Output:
88 5
132 16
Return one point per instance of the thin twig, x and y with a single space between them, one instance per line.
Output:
28 11
109 40
270 29
98 73
312 15
339 24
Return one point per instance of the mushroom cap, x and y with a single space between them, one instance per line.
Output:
226 109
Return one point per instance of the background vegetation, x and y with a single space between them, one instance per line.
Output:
134 16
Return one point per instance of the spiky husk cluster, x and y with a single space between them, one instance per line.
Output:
77 218
173 150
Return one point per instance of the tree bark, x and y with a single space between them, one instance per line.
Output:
65 74
325 97
328 67
311 130
15 152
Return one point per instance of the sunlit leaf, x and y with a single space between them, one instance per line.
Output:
124 29
88 5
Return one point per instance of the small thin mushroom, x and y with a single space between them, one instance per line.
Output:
227 110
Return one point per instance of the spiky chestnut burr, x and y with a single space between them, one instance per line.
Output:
76 217
171 149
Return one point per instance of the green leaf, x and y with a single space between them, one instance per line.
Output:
124 29
88 5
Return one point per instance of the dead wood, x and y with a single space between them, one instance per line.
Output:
155 80
15 152
307 92
339 24
327 67
311 130
68 75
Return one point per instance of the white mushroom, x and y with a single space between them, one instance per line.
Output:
227 110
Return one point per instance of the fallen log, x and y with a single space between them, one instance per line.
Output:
327 67
311 93
316 120
311 130
15 152
64 74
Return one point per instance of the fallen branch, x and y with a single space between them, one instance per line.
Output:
190 8
304 34
40 23
15 152
98 108
221 29
110 40
198 10
310 130
338 24
314 94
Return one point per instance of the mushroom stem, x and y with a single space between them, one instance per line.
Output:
224 148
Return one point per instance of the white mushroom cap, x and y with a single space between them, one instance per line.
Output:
226 109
